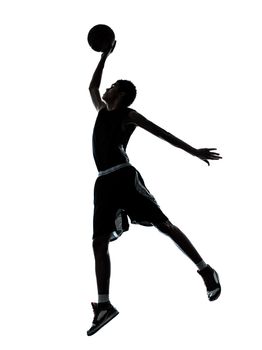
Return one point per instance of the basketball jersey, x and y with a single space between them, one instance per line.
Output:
110 138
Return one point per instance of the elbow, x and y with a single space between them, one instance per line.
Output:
92 88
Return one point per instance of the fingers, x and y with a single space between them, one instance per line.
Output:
216 156
212 156
205 154
109 50
113 46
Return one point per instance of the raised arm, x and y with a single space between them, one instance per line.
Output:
202 153
96 80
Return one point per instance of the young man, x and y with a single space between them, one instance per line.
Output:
120 190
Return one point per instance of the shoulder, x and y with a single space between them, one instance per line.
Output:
133 117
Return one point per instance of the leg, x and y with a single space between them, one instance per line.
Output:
102 264
104 312
208 274
182 242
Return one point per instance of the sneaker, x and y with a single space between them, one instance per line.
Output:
103 314
211 280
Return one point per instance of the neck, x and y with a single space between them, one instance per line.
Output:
114 105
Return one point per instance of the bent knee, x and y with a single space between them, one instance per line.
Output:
165 227
101 243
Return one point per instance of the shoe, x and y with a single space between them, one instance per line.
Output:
103 314
211 280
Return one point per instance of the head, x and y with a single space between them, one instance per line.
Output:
122 93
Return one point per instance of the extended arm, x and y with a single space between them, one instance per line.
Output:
203 153
96 79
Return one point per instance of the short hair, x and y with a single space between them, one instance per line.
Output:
129 89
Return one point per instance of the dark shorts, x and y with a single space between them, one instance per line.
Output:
120 194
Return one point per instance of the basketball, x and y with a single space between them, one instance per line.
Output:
100 37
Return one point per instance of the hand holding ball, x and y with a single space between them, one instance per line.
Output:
101 38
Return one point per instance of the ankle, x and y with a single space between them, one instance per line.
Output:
201 265
103 298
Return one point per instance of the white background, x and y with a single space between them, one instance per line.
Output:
197 68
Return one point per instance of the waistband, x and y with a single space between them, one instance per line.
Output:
114 168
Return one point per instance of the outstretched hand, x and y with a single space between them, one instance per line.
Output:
205 154
108 51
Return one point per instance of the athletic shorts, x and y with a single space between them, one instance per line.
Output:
121 194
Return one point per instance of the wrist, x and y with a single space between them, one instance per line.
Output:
102 61
193 151
104 56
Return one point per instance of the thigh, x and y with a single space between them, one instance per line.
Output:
104 208
141 205
109 197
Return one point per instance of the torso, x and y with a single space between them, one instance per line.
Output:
110 137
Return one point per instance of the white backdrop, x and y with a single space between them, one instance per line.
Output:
197 68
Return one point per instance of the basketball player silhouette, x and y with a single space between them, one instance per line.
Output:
120 191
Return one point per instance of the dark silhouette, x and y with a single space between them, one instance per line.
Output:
120 190
100 37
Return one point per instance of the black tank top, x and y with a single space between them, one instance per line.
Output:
110 138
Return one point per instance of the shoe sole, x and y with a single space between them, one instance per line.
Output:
93 331
216 296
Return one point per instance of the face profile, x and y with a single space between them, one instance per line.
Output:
111 93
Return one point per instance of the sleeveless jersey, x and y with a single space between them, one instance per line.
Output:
110 138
